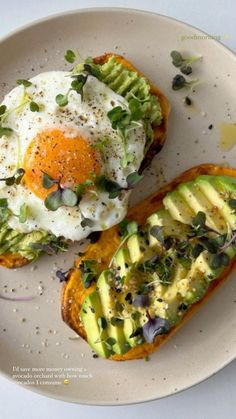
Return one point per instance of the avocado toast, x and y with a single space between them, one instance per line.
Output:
18 249
136 286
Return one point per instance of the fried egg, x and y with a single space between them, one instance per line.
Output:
69 143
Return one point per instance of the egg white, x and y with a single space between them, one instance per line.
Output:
86 118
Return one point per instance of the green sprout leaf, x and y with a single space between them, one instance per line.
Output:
48 181
19 175
135 107
116 321
25 83
157 232
179 82
70 56
16 179
183 62
186 69
62 100
219 260
34 107
93 69
78 84
5 131
69 197
87 222
232 203
133 178
3 109
109 186
102 323
199 220
3 203
127 227
110 342
23 213
53 201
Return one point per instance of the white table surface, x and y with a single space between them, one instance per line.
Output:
214 398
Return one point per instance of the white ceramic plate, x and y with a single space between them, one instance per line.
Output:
33 335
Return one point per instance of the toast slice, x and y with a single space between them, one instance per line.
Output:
15 260
74 292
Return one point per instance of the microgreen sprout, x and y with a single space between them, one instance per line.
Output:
183 62
128 229
179 82
15 179
77 85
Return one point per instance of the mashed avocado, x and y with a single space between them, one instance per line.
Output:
28 245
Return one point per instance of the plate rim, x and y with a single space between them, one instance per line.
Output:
139 11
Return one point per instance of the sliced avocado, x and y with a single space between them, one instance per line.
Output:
196 199
137 246
171 227
178 207
172 298
209 185
108 296
122 261
194 285
131 326
91 311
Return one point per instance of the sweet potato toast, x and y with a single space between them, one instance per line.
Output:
11 260
74 292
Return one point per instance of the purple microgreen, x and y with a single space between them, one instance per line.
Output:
63 276
133 178
141 300
155 326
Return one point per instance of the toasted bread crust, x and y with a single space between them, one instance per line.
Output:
74 293
159 131
12 260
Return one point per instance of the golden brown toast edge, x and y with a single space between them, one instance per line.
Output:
73 293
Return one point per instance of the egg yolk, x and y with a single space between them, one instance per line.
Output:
70 161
